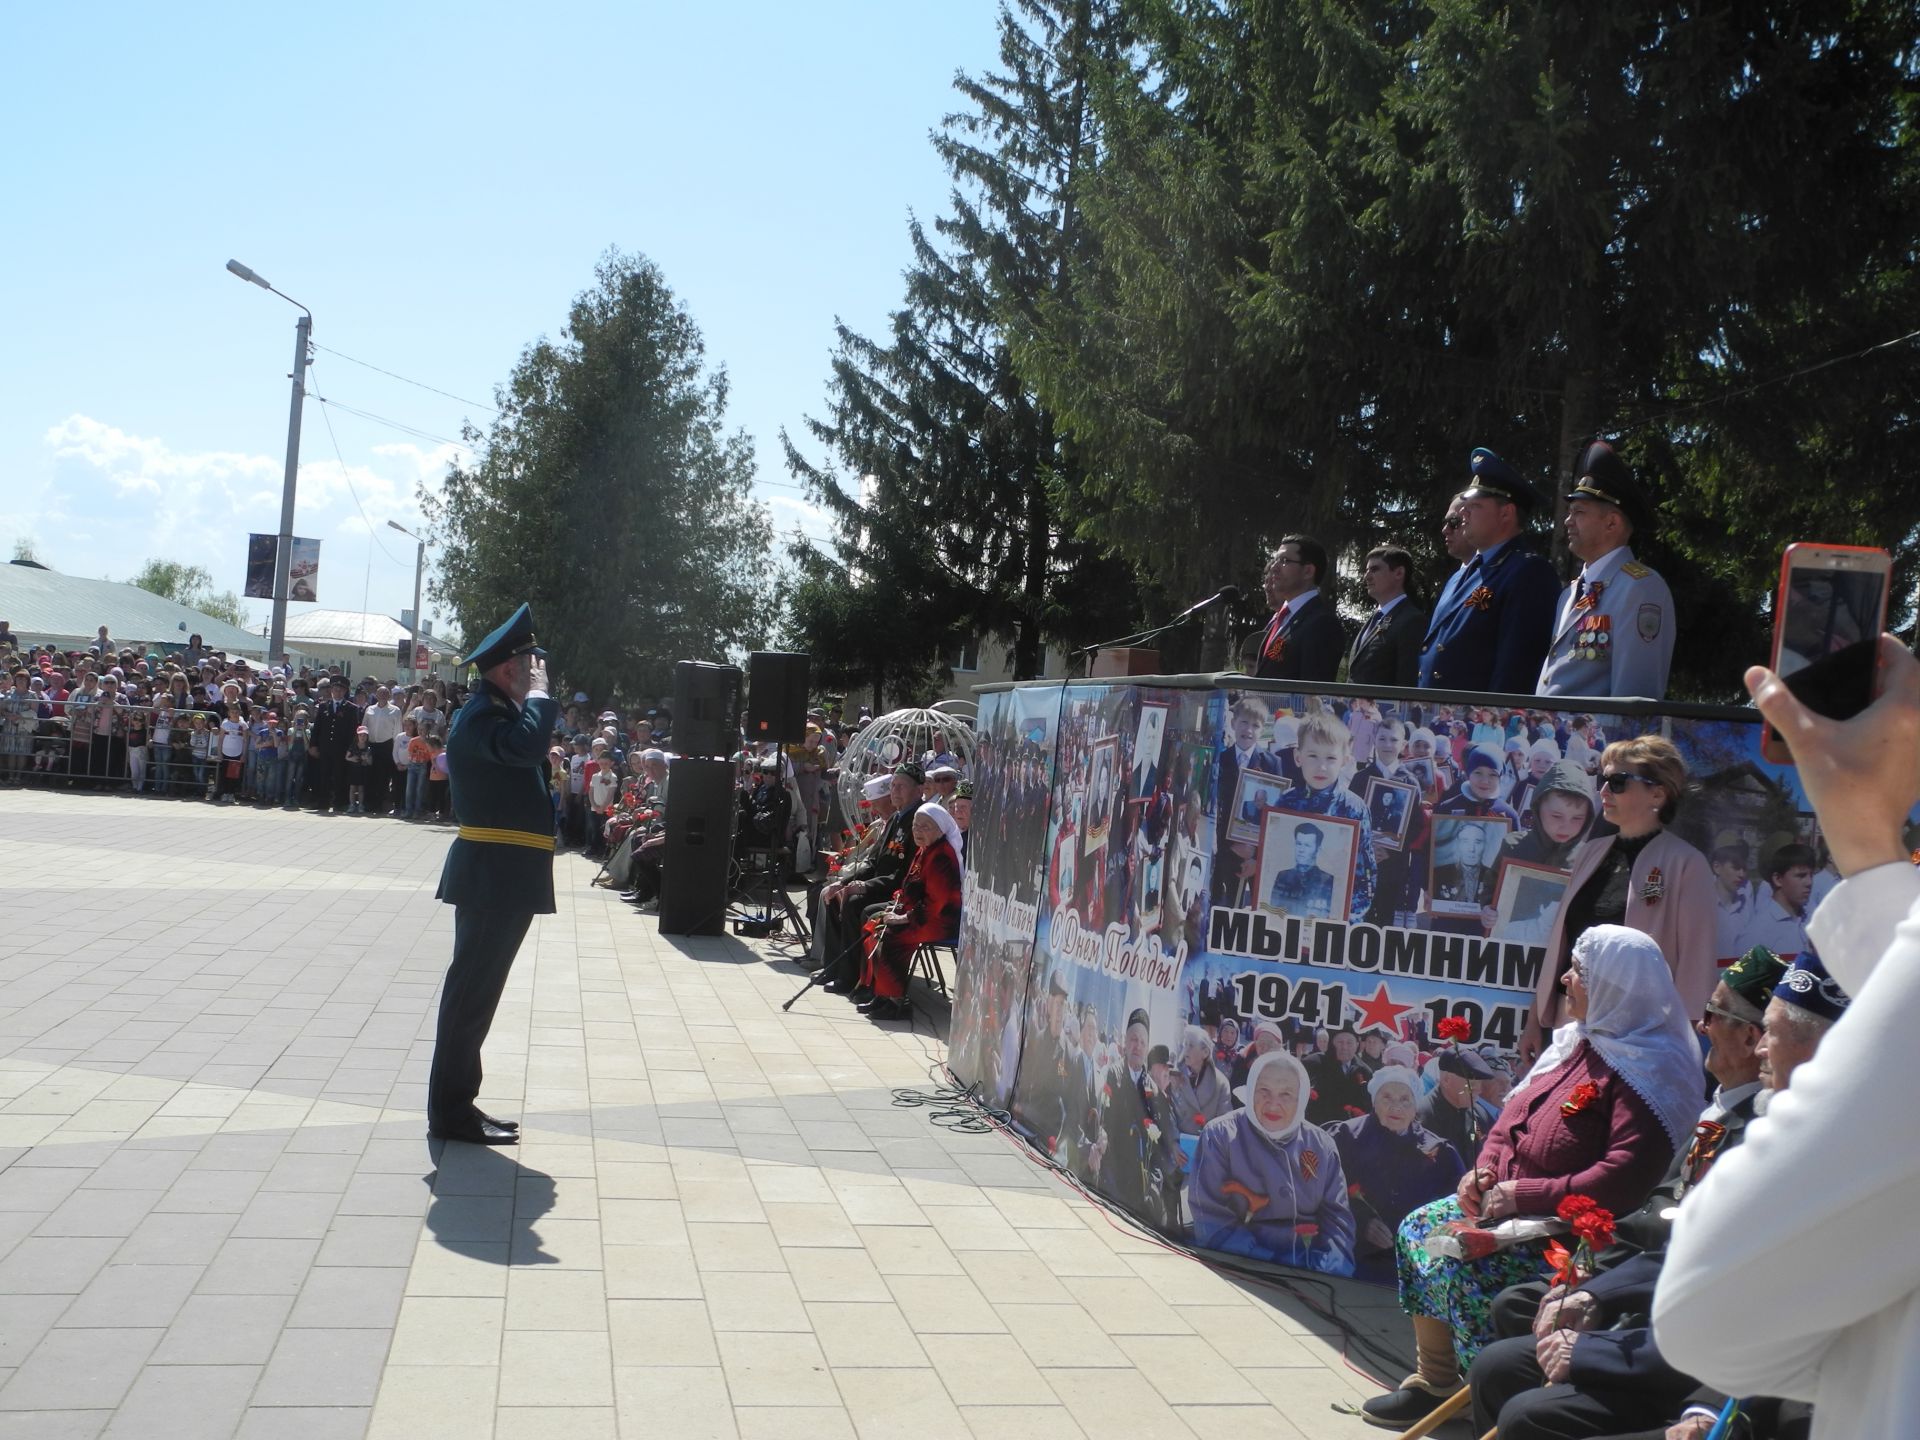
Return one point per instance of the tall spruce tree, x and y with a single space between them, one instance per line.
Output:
958 525
1330 248
608 495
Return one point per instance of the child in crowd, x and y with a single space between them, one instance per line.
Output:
233 753
557 773
419 770
603 788
299 737
437 778
201 750
160 738
137 732
1323 746
359 760
403 739
269 742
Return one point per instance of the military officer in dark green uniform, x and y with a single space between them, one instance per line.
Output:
499 871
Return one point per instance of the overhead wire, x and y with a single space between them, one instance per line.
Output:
396 375
372 535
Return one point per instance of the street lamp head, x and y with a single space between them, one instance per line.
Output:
245 274
396 525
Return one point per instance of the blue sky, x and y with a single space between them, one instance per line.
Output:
435 182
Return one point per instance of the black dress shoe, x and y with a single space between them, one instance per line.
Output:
477 1131
862 995
1403 1408
887 1007
503 1124
839 987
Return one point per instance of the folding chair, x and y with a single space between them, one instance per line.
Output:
926 964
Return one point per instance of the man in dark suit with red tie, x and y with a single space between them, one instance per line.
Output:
1387 649
1305 639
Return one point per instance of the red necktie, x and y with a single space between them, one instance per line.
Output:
1273 649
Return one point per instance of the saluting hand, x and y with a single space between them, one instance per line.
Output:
536 673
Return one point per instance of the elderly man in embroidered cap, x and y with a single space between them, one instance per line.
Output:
1492 625
1613 632
499 870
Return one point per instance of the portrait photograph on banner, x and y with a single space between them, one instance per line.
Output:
1466 849
1526 899
1101 785
262 550
1390 810
1306 864
1147 740
1255 793
303 571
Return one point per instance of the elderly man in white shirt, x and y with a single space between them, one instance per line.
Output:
1805 1225
382 719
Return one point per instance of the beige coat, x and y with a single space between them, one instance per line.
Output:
1682 922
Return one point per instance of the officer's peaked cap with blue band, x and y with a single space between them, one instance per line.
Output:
1495 479
511 639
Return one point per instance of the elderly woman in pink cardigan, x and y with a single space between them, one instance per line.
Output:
1645 877
1600 1115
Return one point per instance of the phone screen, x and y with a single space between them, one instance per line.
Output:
1830 637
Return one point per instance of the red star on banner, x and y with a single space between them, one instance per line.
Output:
1381 1011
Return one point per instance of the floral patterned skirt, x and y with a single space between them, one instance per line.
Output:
1460 1292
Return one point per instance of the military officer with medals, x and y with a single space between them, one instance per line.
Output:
1490 628
1613 632
499 869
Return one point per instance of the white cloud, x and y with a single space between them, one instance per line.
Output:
136 463
801 510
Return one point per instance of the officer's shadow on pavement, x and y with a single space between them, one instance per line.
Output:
486 1205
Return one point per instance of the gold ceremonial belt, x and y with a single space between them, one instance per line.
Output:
485 836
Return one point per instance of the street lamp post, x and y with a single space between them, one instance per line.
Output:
419 568
283 551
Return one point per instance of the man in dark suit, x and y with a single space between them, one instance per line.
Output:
1125 1153
1387 649
1304 640
1493 626
499 870
334 724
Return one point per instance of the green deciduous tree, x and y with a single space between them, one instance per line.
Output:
608 494
191 585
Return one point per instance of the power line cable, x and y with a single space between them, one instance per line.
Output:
372 535
1745 390
412 430
394 374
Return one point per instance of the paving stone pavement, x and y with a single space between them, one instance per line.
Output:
220 1218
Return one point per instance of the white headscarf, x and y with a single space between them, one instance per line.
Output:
949 827
1637 1024
1245 1093
1393 1075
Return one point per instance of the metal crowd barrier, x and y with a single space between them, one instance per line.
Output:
87 748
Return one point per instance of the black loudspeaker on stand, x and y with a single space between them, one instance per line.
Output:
694 869
706 710
777 696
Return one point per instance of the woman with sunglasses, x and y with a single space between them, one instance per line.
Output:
1642 876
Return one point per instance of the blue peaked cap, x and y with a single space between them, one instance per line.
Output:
1497 480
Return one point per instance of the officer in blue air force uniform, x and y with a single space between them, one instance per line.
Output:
1490 630
1613 633
499 870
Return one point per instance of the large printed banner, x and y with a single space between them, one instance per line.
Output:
1168 886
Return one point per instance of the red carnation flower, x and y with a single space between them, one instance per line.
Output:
1454 1027
1574 1206
1584 1094
1595 1228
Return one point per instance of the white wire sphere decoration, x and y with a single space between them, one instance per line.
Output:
896 736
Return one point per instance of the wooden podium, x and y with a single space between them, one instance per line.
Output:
1117 661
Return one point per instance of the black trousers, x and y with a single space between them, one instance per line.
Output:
380 782
848 922
484 944
1510 1389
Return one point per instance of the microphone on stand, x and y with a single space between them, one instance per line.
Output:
1228 593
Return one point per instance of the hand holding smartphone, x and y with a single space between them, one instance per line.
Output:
1827 621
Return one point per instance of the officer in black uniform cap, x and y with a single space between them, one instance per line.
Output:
499 871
